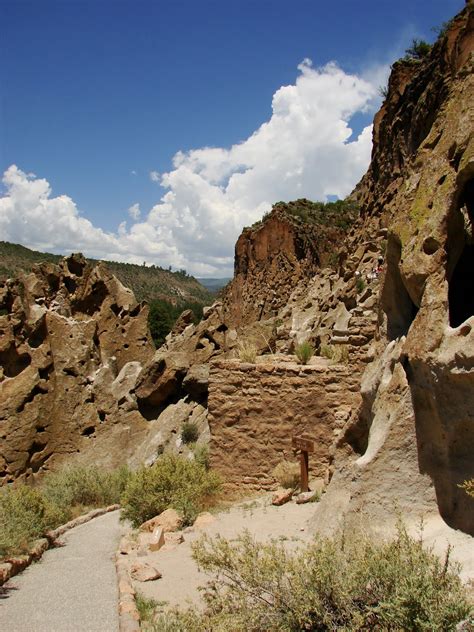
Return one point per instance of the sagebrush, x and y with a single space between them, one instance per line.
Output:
332 584
172 481
189 432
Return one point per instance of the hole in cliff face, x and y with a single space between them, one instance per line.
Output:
70 284
87 432
92 303
461 283
396 302
13 363
75 266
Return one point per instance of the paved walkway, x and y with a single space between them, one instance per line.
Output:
72 588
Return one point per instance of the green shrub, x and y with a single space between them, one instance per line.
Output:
417 50
332 584
26 513
360 284
172 481
80 487
287 474
24 516
304 352
201 455
189 432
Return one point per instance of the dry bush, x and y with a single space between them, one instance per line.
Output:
247 351
338 354
343 583
287 474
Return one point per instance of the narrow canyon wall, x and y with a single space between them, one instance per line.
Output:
256 409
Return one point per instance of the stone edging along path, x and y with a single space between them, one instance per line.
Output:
14 565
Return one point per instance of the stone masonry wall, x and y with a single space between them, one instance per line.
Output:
256 409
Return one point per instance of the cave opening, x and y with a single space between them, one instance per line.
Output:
396 301
461 283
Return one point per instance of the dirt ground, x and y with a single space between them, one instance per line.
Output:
290 523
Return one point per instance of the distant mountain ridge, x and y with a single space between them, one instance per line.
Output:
147 282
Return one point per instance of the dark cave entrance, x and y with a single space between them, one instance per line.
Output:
461 283
396 301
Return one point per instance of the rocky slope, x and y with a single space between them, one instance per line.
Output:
73 346
146 282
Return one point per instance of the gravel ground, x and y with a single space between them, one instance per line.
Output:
72 588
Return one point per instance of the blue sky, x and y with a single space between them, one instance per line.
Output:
96 96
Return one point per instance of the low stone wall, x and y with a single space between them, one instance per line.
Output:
256 409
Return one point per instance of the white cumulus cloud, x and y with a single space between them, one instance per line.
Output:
134 211
303 150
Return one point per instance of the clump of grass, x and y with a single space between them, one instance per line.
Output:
147 609
468 487
338 583
172 481
338 354
360 284
247 351
304 352
287 474
189 432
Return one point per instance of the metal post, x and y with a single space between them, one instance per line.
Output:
304 462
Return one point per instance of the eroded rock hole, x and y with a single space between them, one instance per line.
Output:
70 284
461 284
87 432
13 363
396 301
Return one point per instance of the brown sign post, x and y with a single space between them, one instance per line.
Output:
305 445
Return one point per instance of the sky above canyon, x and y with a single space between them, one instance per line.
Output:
153 131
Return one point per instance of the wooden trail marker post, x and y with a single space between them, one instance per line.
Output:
305 445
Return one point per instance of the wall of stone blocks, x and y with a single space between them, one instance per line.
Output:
256 409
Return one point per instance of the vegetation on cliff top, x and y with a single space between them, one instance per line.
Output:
340 214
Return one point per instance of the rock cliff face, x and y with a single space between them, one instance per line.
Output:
72 340
412 441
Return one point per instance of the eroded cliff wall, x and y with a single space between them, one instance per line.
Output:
412 441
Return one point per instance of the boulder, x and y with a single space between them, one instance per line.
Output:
143 572
282 496
168 520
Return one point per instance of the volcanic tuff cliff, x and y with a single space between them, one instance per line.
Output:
388 290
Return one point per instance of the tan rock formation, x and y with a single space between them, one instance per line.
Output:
72 345
412 441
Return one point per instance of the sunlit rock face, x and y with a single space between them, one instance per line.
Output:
411 443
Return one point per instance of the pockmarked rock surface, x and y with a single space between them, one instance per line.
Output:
73 587
256 409
411 443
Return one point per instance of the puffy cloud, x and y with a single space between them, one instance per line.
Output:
303 150
134 211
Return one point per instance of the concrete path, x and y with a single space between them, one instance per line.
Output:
72 588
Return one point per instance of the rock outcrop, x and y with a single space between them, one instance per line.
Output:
412 442
72 344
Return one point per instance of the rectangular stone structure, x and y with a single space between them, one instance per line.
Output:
256 409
